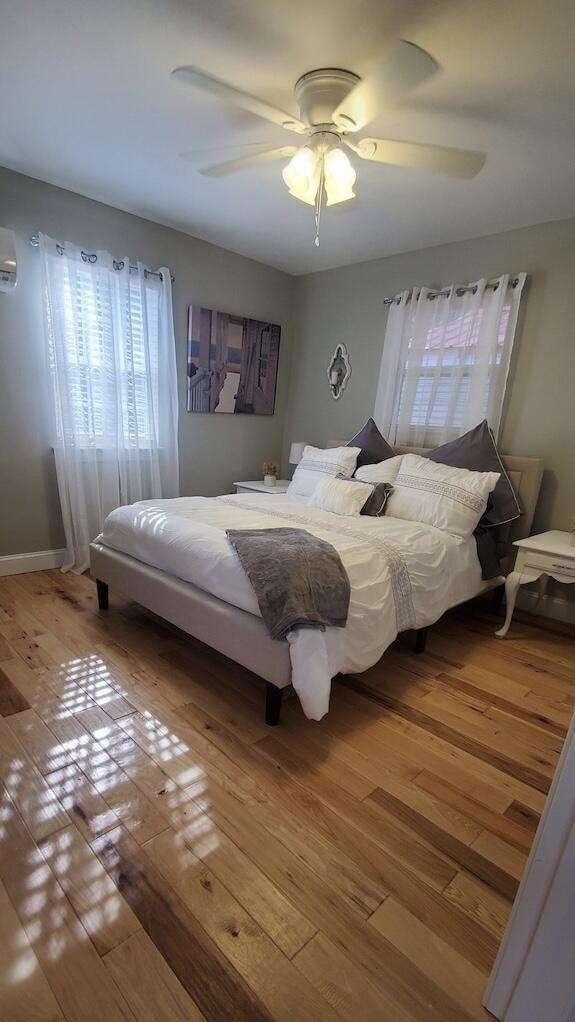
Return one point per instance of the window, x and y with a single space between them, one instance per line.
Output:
445 360
110 342
443 376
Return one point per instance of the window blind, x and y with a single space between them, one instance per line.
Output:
439 400
112 371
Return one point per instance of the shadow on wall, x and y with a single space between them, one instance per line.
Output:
547 498
52 497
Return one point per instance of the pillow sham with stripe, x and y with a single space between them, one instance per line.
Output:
318 463
451 499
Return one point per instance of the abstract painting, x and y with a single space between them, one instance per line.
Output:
232 363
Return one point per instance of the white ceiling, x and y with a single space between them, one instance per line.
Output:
88 104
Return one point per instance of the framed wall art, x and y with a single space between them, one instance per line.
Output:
232 363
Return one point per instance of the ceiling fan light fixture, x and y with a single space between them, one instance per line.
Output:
339 177
335 103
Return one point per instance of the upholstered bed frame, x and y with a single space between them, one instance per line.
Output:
235 633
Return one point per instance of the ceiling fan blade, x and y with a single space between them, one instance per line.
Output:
252 160
403 66
240 147
455 162
243 99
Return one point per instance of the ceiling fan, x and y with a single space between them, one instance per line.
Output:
334 104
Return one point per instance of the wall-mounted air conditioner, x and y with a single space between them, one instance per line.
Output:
8 267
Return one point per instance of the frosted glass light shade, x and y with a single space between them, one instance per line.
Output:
339 177
296 452
302 174
338 194
309 195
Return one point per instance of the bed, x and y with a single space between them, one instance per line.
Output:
173 558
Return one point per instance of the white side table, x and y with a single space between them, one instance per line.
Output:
549 555
259 486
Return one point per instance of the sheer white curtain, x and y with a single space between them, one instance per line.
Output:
445 360
111 352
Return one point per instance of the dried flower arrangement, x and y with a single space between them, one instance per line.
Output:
270 468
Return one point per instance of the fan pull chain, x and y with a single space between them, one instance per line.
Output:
318 202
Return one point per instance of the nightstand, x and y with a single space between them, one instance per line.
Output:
549 555
258 486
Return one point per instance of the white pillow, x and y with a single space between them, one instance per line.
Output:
316 464
452 499
382 472
340 496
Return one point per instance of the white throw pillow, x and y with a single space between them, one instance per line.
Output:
317 463
382 472
340 496
452 499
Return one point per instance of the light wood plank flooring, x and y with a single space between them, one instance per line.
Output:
165 856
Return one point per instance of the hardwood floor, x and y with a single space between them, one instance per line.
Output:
166 856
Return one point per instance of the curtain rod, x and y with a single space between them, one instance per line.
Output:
91 257
459 291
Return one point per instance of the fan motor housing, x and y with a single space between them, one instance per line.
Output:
319 93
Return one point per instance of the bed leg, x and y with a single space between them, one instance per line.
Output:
420 640
102 588
273 704
497 599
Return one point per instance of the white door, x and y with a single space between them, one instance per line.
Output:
533 979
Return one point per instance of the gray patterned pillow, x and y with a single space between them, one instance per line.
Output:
375 504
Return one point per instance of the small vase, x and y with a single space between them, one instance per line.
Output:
270 480
573 539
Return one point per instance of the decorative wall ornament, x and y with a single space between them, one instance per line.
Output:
338 371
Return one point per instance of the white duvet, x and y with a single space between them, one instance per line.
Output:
402 574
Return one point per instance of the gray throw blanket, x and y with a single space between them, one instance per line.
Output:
298 579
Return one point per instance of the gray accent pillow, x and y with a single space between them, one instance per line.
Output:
374 447
375 504
476 450
486 541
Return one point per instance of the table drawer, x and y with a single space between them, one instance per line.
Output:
552 565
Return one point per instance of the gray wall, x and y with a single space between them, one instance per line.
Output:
214 449
346 305
337 305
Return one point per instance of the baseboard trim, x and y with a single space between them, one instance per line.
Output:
556 607
38 560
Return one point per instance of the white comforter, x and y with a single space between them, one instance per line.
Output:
402 574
